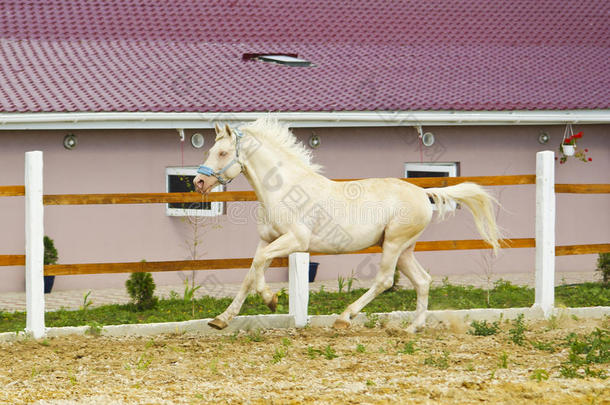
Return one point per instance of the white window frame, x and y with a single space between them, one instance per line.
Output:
451 168
217 208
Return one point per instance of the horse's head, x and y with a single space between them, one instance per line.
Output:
222 164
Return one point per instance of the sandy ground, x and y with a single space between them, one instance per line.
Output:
249 368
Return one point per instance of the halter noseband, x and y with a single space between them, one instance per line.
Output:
208 171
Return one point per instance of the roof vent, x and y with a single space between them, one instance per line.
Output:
288 59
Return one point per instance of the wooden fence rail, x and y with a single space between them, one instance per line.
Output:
244 263
12 260
230 196
582 188
12 191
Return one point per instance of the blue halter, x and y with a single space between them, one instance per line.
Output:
208 171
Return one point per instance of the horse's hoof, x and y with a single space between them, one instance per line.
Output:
273 303
414 329
218 324
341 324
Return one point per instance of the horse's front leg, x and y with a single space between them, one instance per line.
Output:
222 320
282 246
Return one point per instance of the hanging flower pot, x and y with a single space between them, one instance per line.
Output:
568 150
568 146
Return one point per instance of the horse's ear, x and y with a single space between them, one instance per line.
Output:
228 130
219 132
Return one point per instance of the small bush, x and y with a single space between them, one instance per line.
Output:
50 253
603 266
141 289
483 328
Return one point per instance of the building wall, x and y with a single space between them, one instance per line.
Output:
116 161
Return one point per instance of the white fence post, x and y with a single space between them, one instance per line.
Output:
298 287
34 245
545 231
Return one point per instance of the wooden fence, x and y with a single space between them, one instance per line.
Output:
544 241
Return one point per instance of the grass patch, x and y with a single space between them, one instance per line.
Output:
446 296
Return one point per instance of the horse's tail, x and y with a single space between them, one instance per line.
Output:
479 202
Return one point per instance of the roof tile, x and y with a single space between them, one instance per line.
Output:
137 55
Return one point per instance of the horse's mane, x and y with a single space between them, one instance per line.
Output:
269 130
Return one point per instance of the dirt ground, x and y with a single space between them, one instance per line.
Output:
298 366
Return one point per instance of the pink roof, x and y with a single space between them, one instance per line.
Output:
187 55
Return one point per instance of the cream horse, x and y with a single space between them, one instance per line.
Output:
302 211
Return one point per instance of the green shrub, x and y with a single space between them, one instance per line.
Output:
483 328
603 266
141 289
586 351
50 253
517 332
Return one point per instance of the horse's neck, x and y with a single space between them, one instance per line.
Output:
272 172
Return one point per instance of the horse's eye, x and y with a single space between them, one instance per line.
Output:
223 154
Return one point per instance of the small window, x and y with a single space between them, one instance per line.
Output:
432 170
180 180
287 59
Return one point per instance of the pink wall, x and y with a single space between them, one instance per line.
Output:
134 161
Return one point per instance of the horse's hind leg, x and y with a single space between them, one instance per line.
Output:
383 280
420 279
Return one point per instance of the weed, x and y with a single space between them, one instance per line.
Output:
482 328
189 294
369 383
585 351
371 320
408 348
329 353
441 361
255 336
553 322
517 332
503 363
173 295
350 281
45 342
312 353
539 374
279 354
360 348
71 377
545 346
603 266
189 291
286 342
213 366
95 329
469 367
86 301
340 283
143 362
